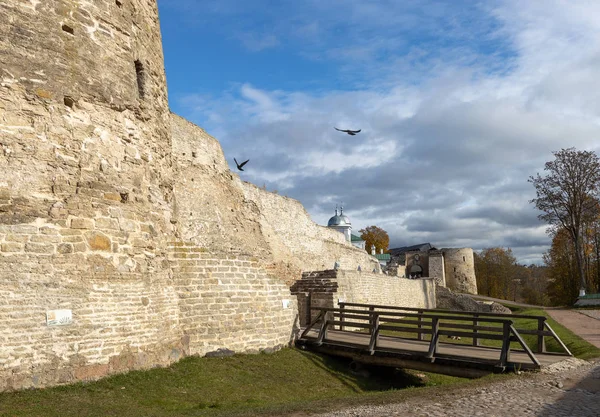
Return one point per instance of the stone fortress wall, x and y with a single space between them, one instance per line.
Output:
214 208
85 185
290 229
89 221
126 215
329 288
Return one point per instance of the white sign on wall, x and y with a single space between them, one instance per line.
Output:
286 303
59 317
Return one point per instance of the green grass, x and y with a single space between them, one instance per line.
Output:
286 380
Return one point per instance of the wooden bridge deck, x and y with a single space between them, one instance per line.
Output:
435 355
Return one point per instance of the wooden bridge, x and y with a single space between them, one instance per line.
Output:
447 342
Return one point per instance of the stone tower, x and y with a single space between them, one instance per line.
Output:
84 186
459 266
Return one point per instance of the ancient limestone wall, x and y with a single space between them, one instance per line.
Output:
361 287
328 288
228 301
127 216
460 270
289 228
86 204
216 210
84 191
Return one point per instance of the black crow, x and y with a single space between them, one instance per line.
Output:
350 132
239 166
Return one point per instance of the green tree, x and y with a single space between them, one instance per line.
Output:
374 235
567 196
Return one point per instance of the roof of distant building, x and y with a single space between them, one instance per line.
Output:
383 256
356 238
414 248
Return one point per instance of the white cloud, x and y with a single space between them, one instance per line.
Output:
450 132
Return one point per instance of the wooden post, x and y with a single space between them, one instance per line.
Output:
309 318
525 347
323 331
475 331
374 334
541 343
420 325
435 328
342 313
505 354
371 323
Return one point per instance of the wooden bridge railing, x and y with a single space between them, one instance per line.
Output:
426 322
543 328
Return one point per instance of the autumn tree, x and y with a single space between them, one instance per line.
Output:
374 235
495 269
562 270
534 284
567 196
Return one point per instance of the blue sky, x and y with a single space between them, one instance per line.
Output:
459 102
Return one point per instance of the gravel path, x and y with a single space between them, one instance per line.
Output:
570 388
584 326
595 314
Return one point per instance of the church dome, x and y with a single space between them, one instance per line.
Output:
339 219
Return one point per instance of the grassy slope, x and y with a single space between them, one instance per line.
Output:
211 386
281 383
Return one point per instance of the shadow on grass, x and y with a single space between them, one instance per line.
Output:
367 378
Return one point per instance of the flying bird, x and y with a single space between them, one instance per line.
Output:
350 132
239 166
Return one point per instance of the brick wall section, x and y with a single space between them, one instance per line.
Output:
228 301
327 288
123 316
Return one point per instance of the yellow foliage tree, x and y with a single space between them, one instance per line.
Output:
374 235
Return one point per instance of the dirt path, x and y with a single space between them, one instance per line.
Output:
582 325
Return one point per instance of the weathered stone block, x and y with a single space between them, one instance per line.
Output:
128 225
82 223
112 196
107 223
79 247
39 248
45 239
72 239
98 241
24 229
65 248
11 247
16 238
